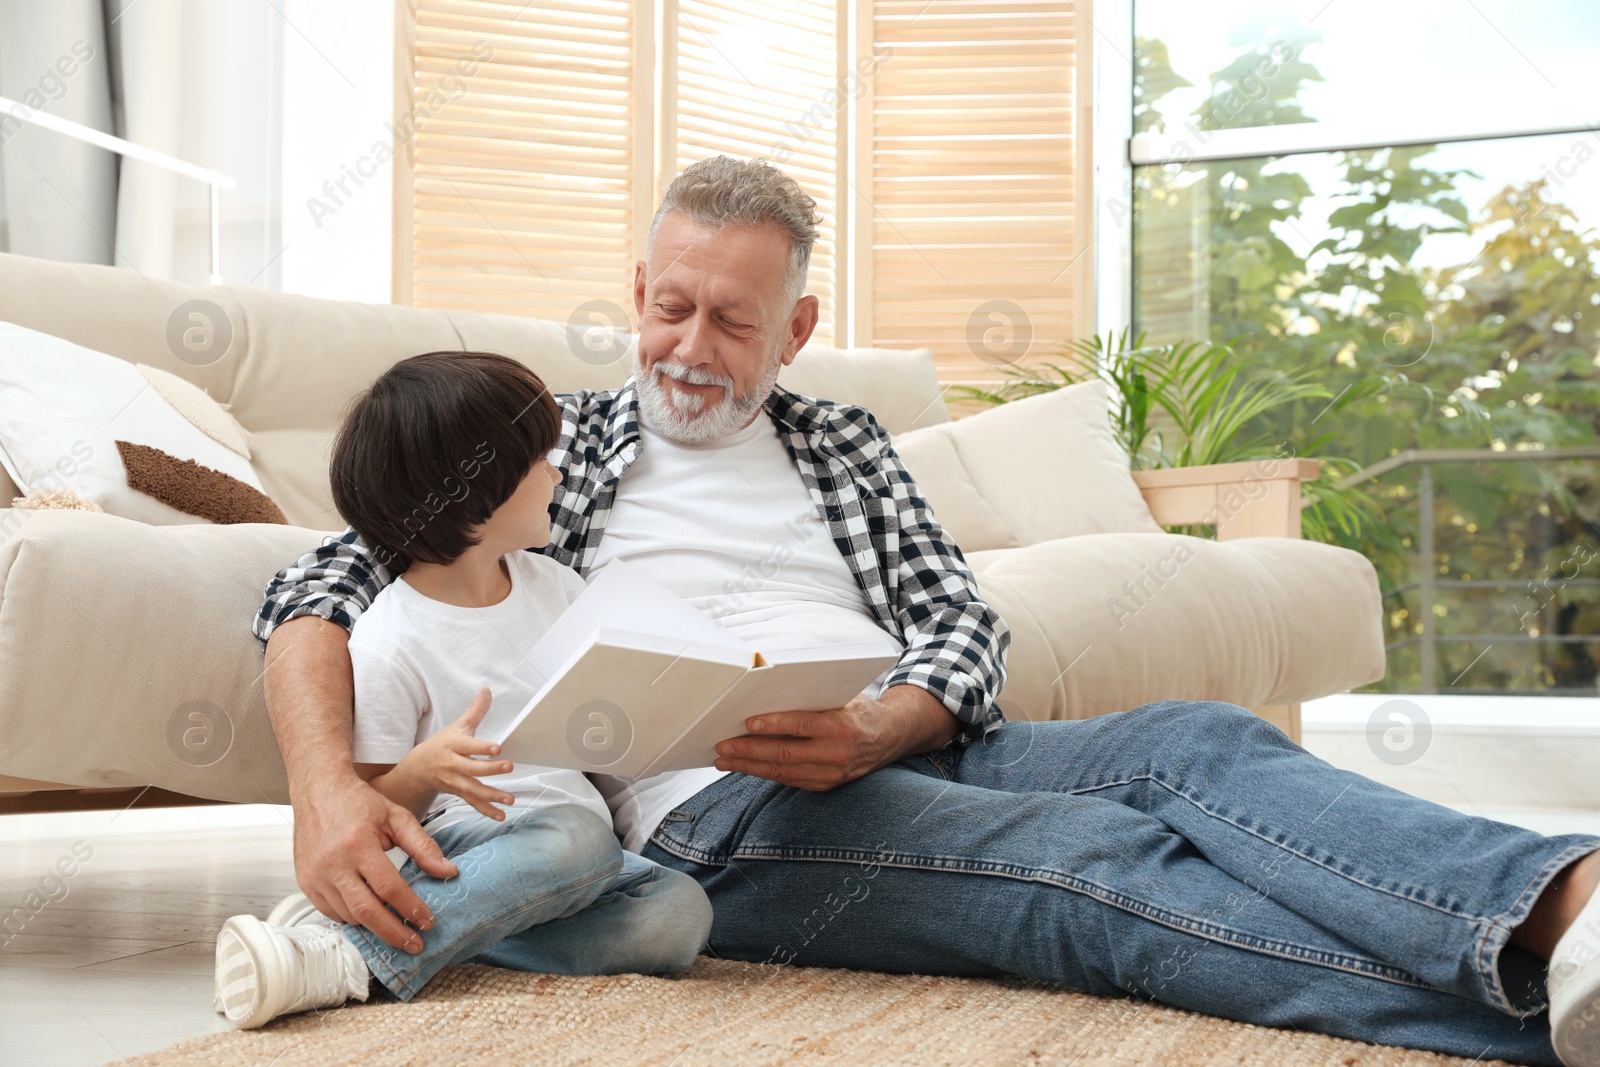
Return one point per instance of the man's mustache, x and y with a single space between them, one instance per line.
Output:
691 375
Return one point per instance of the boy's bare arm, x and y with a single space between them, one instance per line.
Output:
342 826
446 762
407 785
409 794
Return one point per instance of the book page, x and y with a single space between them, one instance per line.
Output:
800 680
619 703
620 597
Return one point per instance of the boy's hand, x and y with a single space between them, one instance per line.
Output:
445 762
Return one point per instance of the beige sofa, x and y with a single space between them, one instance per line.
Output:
126 658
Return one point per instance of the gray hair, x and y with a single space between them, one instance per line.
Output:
720 191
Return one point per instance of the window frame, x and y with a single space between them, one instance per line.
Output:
1118 152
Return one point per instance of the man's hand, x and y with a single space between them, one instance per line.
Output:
819 750
342 826
341 831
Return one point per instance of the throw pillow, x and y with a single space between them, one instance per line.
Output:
137 441
970 520
1029 471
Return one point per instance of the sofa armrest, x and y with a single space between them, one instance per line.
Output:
126 658
1256 498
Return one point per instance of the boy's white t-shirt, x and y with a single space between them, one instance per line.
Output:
419 663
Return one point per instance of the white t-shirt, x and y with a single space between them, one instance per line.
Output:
419 663
730 527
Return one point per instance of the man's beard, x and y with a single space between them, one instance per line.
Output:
687 419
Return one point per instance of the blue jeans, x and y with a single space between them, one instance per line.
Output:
1183 852
547 890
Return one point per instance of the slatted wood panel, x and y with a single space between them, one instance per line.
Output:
974 180
529 184
764 80
525 180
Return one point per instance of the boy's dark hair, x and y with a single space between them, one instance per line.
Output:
434 447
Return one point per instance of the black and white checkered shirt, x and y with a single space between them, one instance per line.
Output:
914 578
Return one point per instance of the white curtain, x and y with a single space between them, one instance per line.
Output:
146 43
112 66
61 194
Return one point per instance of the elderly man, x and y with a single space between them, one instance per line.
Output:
1183 852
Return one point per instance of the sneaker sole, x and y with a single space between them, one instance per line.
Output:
292 910
245 957
1577 1038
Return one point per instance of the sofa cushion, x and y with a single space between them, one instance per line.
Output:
566 357
287 361
1107 622
126 656
114 635
300 360
945 483
1044 467
124 314
900 388
293 467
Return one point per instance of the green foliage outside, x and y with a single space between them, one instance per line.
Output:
1501 351
1352 353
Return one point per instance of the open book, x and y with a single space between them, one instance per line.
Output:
633 681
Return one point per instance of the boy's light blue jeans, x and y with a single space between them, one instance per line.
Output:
1181 852
546 890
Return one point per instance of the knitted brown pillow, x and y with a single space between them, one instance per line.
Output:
193 489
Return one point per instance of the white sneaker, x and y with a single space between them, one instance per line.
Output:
1573 983
295 909
266 971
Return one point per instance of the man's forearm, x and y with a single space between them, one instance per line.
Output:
310 694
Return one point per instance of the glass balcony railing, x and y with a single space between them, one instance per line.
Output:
1501 594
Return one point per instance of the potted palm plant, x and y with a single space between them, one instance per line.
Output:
1189 404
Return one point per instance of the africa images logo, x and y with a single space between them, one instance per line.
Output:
599 733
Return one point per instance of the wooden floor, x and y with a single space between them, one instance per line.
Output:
116 960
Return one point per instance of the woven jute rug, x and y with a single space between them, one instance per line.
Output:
727 1014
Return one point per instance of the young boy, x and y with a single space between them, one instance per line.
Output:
441 467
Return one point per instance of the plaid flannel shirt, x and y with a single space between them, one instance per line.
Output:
913 576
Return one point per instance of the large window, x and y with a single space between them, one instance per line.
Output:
939 140
1400 201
